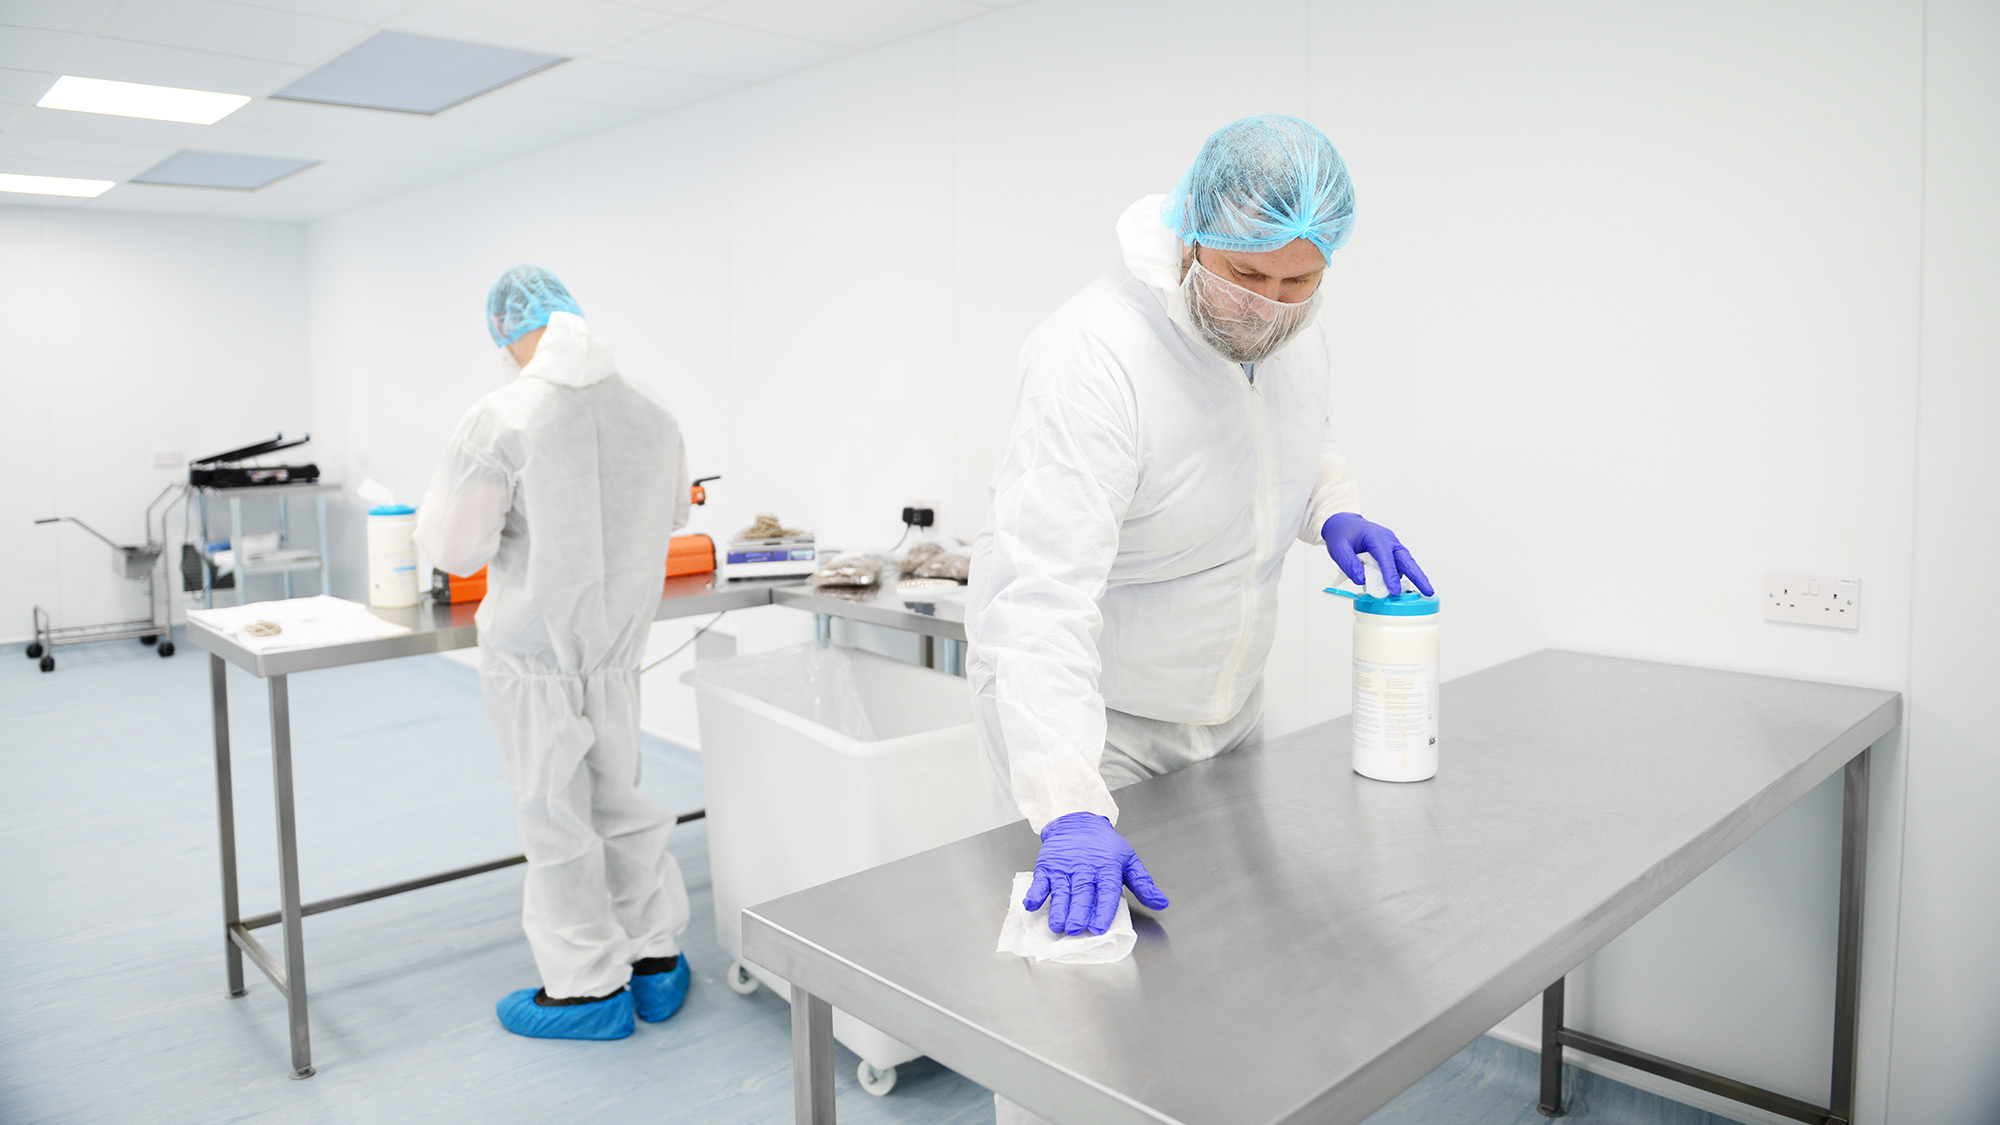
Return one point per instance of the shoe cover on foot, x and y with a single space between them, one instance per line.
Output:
655 996
609 1018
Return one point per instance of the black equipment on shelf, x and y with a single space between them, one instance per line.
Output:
226 470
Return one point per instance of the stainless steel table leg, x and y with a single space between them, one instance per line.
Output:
927 650
1552 1051
1847 971
225 808
812 1058
954 657
823 629
288 877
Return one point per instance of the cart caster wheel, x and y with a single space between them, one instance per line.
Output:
740 980
148 640
166 648
48 663
876 1082
34 650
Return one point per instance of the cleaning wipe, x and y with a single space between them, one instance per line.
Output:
1028 933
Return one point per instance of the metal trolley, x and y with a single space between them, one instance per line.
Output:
143 563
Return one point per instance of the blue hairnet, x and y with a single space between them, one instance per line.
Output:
521 302
1261 182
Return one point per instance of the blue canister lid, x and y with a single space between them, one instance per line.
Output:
392 510
1397 605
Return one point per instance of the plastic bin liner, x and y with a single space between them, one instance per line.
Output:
816 684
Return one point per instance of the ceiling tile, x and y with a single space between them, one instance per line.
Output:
125 61
55 15
232 171
848 23
573 27
161 200
359 11
25 48
104 127
588 80
231 29
319 120
401 70
714 50
24 87
565 116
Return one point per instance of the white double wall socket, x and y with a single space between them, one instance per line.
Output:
1827 600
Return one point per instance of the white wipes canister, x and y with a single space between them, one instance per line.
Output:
392 556
1396 687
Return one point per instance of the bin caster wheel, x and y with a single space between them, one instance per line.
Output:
876 1082
148 640
740 980
166 648
34 650
48 663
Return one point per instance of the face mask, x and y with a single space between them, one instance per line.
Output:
1244 326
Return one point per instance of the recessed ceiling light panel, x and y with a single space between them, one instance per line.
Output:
136 99
54 185
221 170
414 73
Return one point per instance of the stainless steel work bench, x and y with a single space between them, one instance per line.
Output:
1332 939
437 628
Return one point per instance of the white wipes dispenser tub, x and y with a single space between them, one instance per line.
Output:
392 556
1395 686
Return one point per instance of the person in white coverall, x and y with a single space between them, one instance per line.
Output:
1171 439
567 483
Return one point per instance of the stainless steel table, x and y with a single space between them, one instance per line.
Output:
433 628
932 616
1332 939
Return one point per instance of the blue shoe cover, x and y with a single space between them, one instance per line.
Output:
658 995
609 1018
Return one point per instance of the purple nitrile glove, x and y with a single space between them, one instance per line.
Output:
1348 536
1081 872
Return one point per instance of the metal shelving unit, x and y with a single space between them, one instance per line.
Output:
311 562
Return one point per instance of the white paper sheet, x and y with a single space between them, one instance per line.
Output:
1028 934
303 623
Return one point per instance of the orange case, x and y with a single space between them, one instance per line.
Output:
690 554
450 589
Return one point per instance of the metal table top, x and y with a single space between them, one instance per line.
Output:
1332 939
443 628
914 612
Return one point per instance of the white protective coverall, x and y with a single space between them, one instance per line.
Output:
567 483
1125 590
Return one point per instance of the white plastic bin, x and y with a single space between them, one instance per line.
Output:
818 763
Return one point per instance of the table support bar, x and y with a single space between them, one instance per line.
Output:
241 938
1846 998
355 898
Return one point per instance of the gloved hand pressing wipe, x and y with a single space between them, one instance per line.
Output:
1025 933
1082 872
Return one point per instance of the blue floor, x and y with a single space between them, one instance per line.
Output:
111 955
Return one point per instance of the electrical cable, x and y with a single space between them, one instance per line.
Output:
685 643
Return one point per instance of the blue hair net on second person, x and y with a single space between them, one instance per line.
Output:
521 302
1261 182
